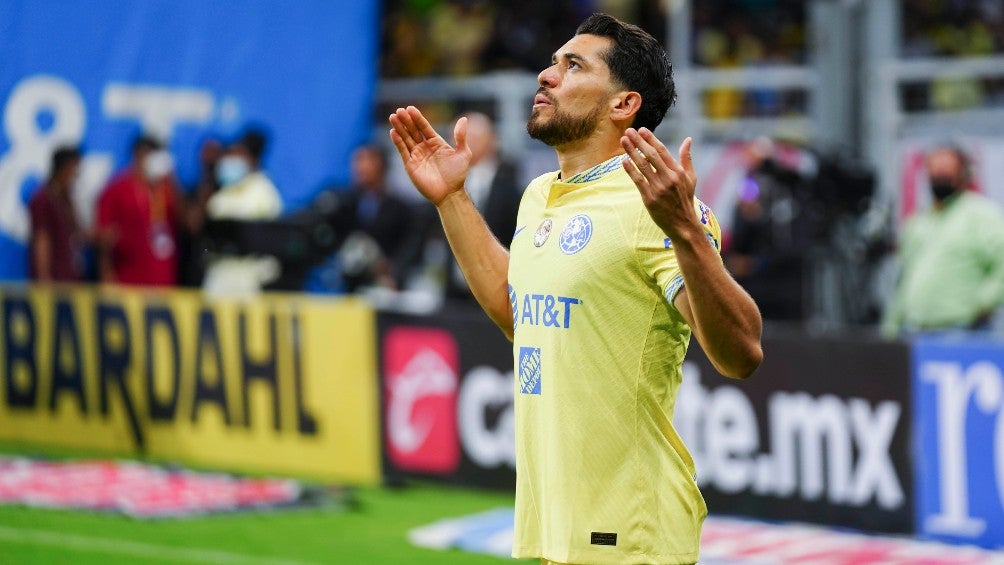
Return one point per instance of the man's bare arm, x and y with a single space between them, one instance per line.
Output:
724 317
438 171
483 260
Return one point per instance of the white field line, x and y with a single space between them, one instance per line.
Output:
114 546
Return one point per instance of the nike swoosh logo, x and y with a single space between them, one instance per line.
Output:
515 233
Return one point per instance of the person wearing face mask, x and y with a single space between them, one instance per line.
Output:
951 256
137 220
56 247
246 194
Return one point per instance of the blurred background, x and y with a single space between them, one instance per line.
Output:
829 105
210 254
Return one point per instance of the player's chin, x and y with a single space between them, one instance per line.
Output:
540 110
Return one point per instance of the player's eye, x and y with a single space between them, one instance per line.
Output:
574 65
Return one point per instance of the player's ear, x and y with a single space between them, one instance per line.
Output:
624 105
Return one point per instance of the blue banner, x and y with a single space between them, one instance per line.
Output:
959 431
99 73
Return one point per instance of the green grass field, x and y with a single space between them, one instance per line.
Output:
371 531
374 532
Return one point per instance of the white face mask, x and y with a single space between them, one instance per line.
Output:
158 165
231 169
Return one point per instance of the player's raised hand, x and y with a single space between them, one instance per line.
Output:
666 185
435 167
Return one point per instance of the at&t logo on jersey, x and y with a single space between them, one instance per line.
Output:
546 310
529 370
576 234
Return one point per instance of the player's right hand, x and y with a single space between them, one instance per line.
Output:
436 168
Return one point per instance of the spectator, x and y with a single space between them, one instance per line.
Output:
493 186
137 220
405 42
372 224
770 236
753 31
952 30
246 194
744 34
191 243
713 50
459 32
463 36
56 248
951 266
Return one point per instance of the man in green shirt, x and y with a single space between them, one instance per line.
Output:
951 256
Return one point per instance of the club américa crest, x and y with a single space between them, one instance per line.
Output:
576 234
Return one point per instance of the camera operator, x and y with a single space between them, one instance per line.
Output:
771 235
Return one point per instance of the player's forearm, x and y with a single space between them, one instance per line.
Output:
727 321
483 260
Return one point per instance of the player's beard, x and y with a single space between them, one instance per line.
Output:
562 127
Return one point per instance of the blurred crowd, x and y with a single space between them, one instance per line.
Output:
462 37
801 235
750 33
148 229
229 233
960 28
953 28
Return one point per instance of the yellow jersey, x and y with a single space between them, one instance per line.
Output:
601 475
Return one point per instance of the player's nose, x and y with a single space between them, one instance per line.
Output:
548 77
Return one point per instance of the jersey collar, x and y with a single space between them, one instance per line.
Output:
596 171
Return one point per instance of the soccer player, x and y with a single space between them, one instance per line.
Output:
613 264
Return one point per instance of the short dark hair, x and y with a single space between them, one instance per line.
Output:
638 62
63 156
146 142
255 140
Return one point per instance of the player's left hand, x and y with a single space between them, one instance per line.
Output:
667 186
